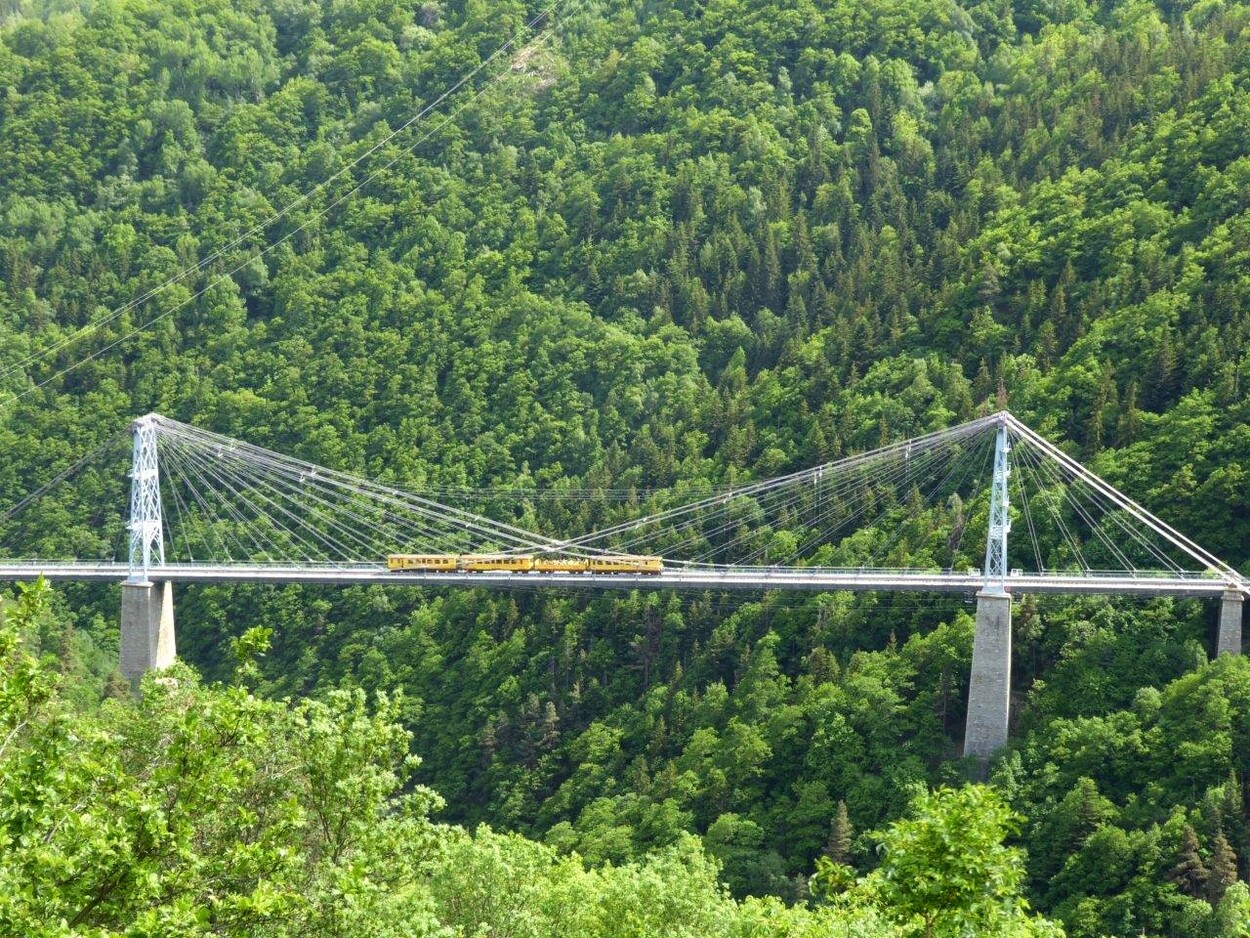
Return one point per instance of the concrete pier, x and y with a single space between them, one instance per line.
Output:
989 689
1231 606
147 633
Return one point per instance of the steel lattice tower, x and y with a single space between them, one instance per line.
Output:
1000 517
146 541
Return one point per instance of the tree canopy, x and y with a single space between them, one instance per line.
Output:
673 243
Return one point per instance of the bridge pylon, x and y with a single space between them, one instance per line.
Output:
989 685
147 613
1228 641
147 542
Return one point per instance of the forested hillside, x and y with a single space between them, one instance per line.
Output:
669 242
207 811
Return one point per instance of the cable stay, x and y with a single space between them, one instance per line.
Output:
915 508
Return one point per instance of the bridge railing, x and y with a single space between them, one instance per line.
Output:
753 570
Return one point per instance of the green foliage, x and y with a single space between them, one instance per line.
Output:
1232 915
680 243
248 648
1111 854
204 809
948 869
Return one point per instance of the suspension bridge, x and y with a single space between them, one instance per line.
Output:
928 514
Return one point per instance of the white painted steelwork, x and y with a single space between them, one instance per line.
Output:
676 578
1000 515
146 541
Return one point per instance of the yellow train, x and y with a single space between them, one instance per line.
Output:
525 563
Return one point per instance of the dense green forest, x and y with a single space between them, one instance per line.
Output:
207 810
669 242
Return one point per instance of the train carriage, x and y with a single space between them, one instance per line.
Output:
514 563
560 565
524 563
626 563
424 562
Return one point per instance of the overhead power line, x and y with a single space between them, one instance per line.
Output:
546 14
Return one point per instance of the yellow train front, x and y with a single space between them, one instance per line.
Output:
524 563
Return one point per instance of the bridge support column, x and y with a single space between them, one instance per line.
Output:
1229 641
989 690
147 633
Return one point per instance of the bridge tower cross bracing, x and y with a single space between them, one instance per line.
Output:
1000 515
146 539
147 613
989 685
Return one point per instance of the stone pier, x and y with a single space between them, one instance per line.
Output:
1231 606
989 690
147 633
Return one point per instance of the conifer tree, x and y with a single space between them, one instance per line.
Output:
841 833
1190 873
1223 871
1089 809
550 730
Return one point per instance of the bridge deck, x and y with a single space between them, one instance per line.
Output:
678 578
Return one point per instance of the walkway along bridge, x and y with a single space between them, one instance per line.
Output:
207 508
